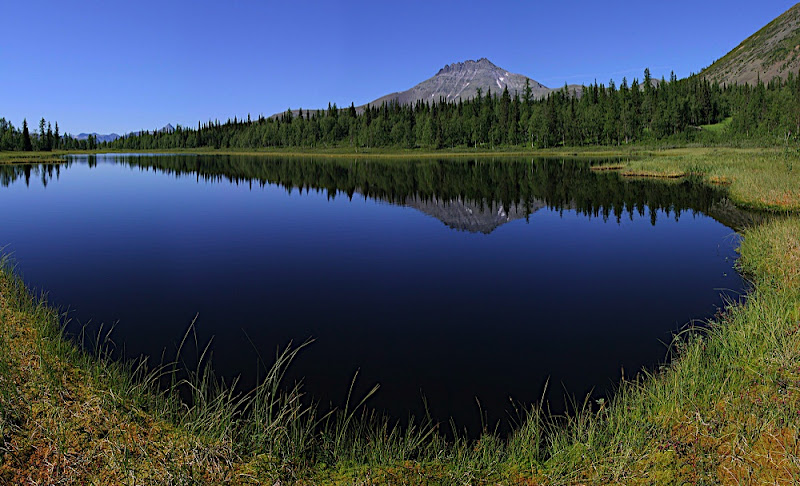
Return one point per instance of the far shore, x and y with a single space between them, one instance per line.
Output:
633 150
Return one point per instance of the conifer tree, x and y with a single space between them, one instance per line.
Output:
48 146
26 138
42 136
527 93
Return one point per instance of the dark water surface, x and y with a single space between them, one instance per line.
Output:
454 279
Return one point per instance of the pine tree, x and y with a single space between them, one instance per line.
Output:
56 139
48 146
527 94
26 138
42 136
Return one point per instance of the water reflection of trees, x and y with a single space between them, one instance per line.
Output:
559 184
44 173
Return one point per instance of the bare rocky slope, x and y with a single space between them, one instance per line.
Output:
773 51
461 81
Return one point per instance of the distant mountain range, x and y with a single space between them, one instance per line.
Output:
100 138
773 51
168 128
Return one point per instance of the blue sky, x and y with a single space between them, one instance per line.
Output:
123 66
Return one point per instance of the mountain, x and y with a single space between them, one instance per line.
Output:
168 128
773 51
100 138
461 80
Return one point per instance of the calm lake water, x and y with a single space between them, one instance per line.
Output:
451 279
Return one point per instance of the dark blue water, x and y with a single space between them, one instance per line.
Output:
448 279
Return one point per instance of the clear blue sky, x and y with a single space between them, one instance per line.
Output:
117 67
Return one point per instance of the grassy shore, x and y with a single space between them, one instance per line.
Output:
765 179
724 411
31 157
390 152
339 152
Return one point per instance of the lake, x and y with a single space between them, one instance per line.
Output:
446 279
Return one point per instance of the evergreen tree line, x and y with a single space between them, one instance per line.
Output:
601 115
46 139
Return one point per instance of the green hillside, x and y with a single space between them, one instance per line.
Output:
773 51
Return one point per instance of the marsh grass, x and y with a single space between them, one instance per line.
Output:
32 157
762 179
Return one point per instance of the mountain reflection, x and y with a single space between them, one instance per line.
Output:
468 195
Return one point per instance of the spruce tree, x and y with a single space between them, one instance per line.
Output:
42 135
48 144
26 138
527 95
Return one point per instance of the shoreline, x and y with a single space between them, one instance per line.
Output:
588 151
724 409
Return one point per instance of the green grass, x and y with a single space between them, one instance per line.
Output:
764 179
724 411
643 148
718 128
31 157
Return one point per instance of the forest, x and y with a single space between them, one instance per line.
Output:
651 111
47 139
690 110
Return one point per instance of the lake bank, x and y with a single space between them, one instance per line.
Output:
394 153
713 410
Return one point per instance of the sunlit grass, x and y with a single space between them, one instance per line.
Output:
31 157
718 128
766 179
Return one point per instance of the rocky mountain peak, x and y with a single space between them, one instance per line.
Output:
457 67
463 80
